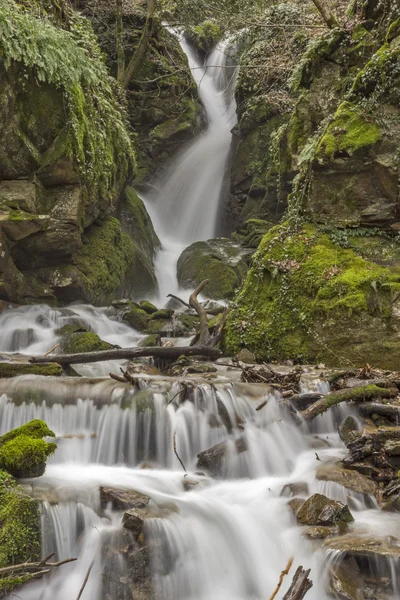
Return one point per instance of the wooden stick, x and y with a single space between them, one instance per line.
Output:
204 337
51 350
26 567
282 575
175 395
85 580
177 455
179 300
126 353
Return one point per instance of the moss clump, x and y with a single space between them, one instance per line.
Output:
349 131
136 317
20 528
83 342
150 340
104 259
306 298
8 369
157 326
164 313
23 452
149 307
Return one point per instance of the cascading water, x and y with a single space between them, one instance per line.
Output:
224 539
186 207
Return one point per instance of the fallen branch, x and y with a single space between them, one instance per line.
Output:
282 575
179 300
384 410
177 455
175 395
360 394
204 337
31 568
85 580
300 585
127 353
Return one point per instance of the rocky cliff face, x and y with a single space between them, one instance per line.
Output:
324 285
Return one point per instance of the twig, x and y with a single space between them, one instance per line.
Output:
284 572
51 350
117 378
177 455
85 580
179 300
26 567
260 406
175 395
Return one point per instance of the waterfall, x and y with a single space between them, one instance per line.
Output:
185 209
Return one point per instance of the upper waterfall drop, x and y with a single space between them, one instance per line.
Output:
185 200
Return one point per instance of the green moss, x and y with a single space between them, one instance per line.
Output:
25 456
98 139
205 35
348 132
35 429
150 340
302 284
136 318
149 307
104 259
358 394
164 313
157 326
83 342
8 369
20 527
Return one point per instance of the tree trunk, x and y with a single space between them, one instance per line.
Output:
119 41
300 585
141 48
326 13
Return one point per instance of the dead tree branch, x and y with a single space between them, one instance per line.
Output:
85 580
141 49
300 585
177 455
204 337
33 570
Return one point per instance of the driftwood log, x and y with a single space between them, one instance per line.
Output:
128 353
300 585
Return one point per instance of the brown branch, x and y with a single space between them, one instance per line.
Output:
175 395
85 580
126 353
119 40
51 350
300 585
28 567
141 49
117 378
177 455
204 337
177 297
282 575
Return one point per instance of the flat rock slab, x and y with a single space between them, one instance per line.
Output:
350 479
363 547
122 499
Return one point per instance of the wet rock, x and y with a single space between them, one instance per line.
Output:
320 532
143 367
201 368
317 442
294 489
150 340
164 313
148 306
345 581
190 484
246 356
212 460
136 317
392 447
222 261
134 519
348 430
360 547
352 480
303 401
320 510
295 504
392 504
122 499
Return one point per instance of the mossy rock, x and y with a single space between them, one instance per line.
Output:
83 342
19 531
136 317
23 452
164 313
158 326
222 261
149 307
143 400
251 232
150 340
8 369
309 299
322 511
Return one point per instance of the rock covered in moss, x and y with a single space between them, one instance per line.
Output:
307 298
14 369
23 452
149 307
75 338
222 261
204 36
136 317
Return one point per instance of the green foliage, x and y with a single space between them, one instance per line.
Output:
71 60
36 429
205 35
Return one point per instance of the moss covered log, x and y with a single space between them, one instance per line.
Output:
9 369
359 394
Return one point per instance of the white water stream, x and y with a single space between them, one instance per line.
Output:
184 202
225 539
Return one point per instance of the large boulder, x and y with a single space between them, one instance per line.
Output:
320 510
224 262
308 297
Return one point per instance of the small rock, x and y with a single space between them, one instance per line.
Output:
246 356
201 368
190 484
320 510
348 430
149 307
164 313
352 480
134 519
303 401
212 459
295 504
345 581
321 532
122 499
294 489
392 447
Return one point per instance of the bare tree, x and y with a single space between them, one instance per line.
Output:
326 13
